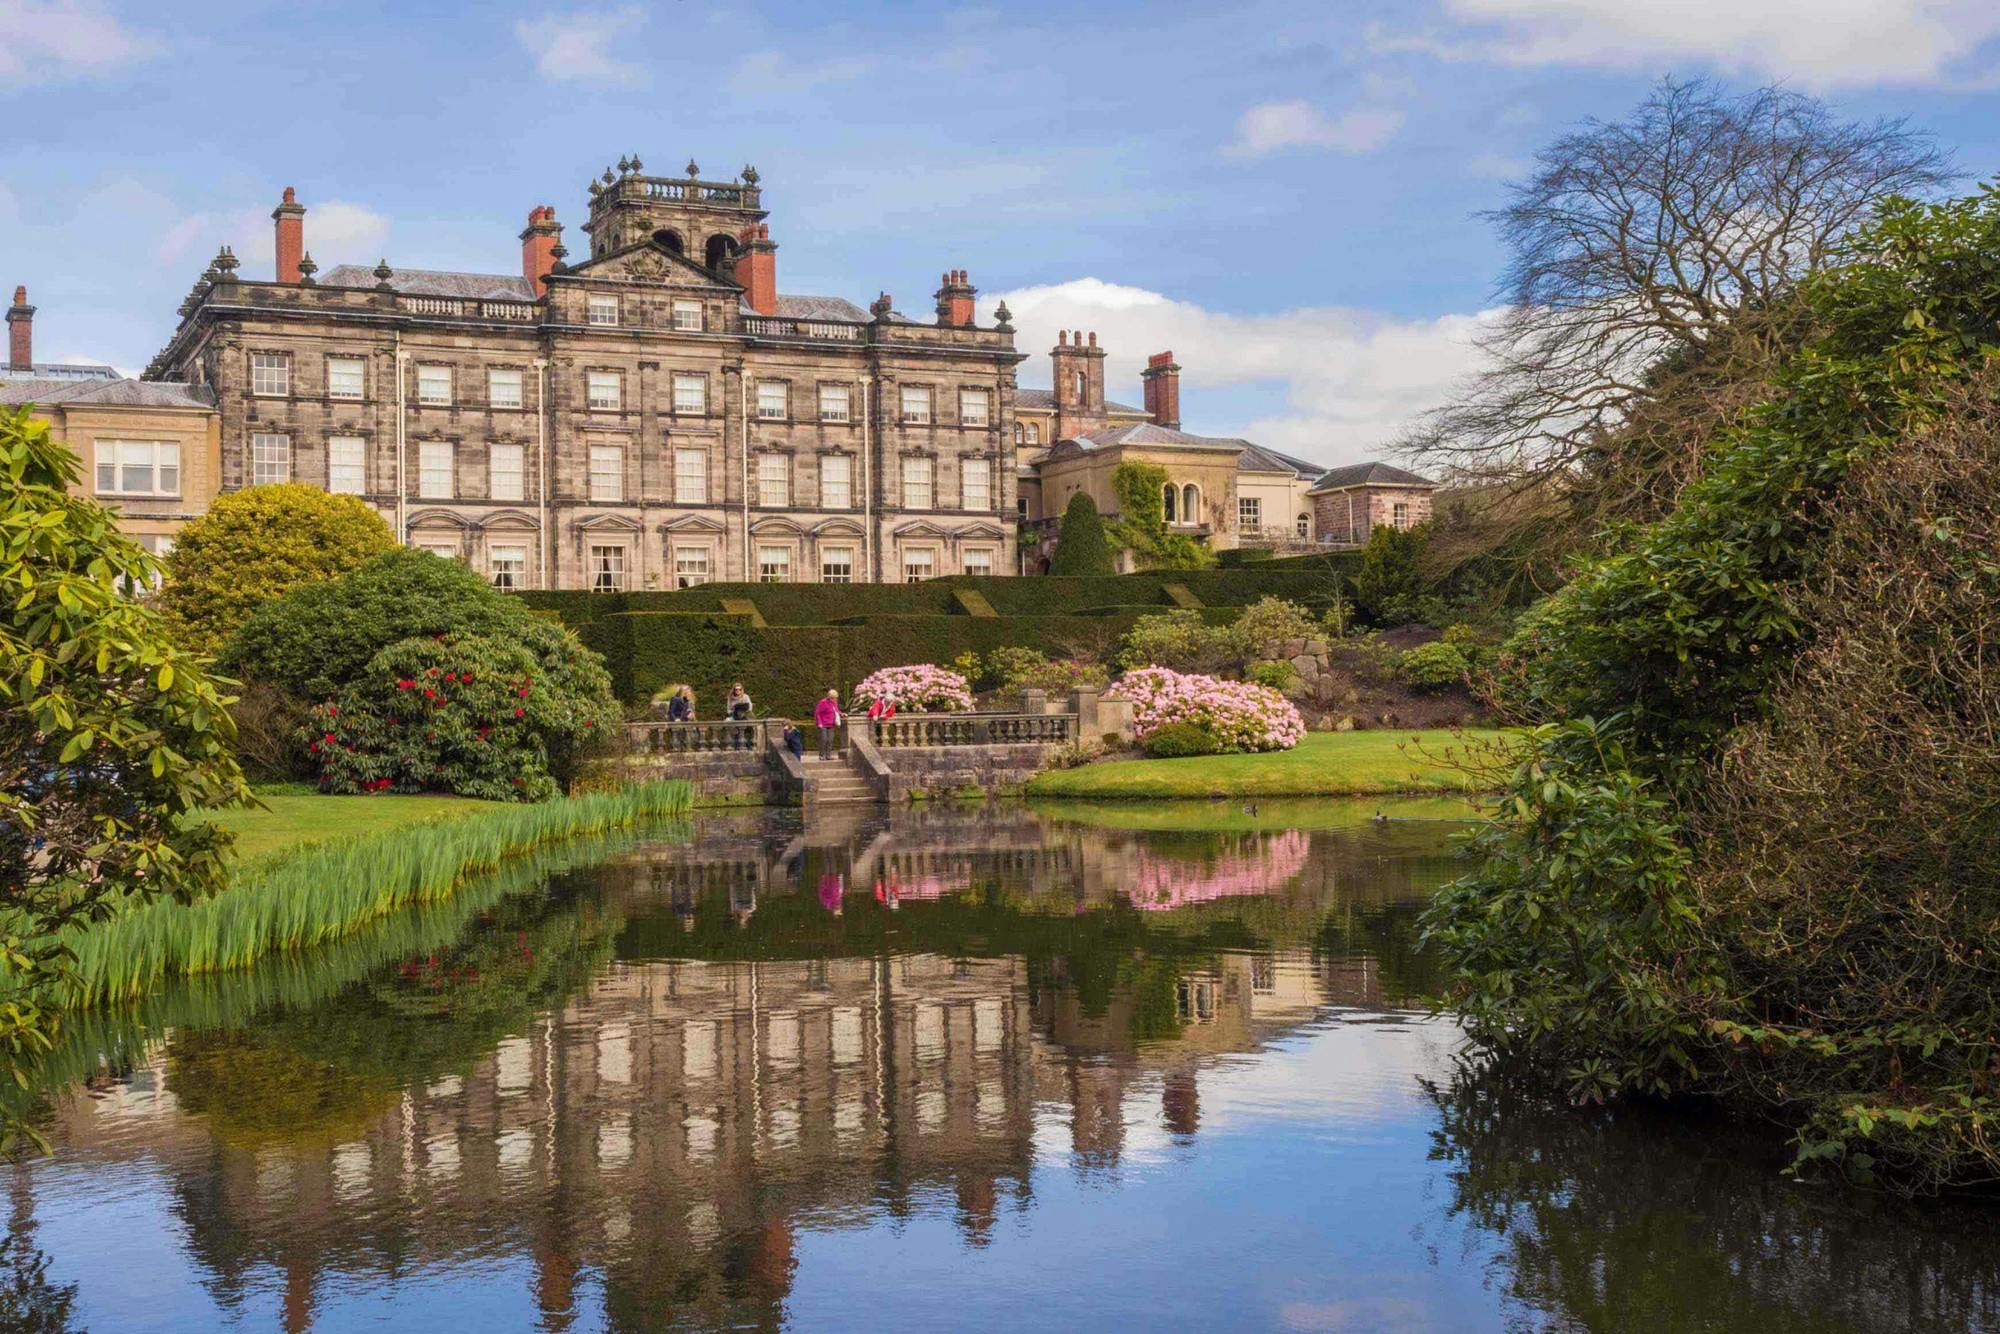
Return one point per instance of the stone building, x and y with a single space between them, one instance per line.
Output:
1348 503
656 416
150 450
1224 490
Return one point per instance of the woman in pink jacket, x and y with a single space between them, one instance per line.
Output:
827 715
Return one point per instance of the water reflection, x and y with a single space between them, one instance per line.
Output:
939 1065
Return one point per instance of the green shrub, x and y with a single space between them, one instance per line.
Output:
1438 665
468 714
1272 620
1173 741
1182 640
256 544
1081 546
1278 675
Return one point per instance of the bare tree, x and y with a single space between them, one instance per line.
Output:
1654 265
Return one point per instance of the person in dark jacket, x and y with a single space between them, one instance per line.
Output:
680 709
795 741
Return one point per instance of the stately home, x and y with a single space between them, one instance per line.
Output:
654 416
152 451
1223 490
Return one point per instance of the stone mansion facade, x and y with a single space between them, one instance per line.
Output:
656 415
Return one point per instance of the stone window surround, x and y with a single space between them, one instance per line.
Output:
360 359
674 408
705 549
417 370
819 398
757 477
283 367
598 303
360 438
992 471
992 559
617 374
903 417
984 392
521 405
784 388
154 467
850 456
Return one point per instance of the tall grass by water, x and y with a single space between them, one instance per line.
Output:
326 891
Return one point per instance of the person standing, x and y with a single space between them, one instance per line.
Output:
827 715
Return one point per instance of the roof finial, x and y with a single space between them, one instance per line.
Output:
749 174
383 273
624 165
307 269
1001 316
693 171
636 164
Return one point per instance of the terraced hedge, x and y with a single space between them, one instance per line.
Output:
820 635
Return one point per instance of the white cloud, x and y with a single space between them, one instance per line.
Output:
775 72
1343 382
579 46
1271 127
47 41
1824 43
337 232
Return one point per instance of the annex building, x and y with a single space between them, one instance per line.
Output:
657 414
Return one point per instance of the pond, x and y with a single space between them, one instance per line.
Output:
992 1067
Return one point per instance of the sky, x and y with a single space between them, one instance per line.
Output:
1285 195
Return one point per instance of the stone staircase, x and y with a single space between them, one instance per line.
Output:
838 781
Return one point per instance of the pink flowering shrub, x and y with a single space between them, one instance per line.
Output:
918 688
1240 716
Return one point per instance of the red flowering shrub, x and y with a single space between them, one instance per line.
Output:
470 714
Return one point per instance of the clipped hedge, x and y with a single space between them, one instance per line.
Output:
827 604
786 668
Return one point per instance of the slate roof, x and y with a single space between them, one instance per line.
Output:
1257 458
119 393
1368 474
436 282
794 307
56 370
1156 437
1045 399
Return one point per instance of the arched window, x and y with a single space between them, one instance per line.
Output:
1167 497
1190 504
719 253
1020 434
670 239
1305 527
1034 433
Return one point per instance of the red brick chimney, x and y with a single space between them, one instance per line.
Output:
1163 390
290 215
539 244
954 300
757 269
21 333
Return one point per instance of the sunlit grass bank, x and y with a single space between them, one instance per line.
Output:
323 891
1325 764
293 815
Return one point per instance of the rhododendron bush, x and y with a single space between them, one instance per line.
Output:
471 714
919 688
1239 715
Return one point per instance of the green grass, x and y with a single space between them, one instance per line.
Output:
295 815
321 892
1325 764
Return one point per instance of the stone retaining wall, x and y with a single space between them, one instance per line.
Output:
953 770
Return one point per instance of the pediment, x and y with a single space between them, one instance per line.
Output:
981 530
773 524
510 519
649 262
691 523
839 528
923 528
615 522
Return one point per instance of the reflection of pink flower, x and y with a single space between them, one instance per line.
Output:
1265 867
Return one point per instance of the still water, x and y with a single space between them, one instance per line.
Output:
998 1068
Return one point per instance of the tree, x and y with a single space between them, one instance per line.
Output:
254 545
1651 289
1389 587
1081 546
111 736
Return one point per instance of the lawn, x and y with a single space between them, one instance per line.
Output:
1325 764
297 815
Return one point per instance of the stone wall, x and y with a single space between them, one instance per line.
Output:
720 778
1348 516
942 771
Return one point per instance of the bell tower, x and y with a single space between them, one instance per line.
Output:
703 220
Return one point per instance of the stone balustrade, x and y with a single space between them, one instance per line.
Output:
698 738
975 729
766 326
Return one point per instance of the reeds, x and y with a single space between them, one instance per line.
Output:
321 893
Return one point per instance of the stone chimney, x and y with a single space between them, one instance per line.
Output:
539 244
1163 390
1079 376
757 269
290 215
20 333
954 300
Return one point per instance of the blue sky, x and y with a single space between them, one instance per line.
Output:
1283 194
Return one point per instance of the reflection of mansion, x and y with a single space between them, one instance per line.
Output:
673 1128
